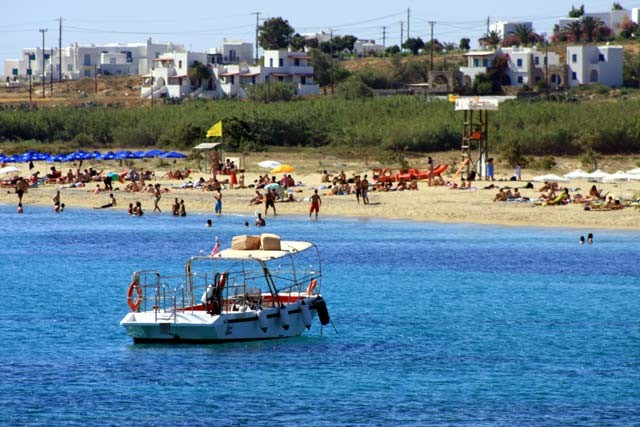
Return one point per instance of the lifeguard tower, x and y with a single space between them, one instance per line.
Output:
475 134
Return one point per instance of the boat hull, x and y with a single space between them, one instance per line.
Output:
200 327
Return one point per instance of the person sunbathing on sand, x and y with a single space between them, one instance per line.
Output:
562 199
258 199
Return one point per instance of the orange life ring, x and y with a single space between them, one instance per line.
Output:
311 287
134 285
386 173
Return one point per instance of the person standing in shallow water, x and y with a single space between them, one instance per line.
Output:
157 194
315 204
218 199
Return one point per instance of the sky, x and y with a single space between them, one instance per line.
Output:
203 24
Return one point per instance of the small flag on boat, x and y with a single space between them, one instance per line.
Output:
215 130
216 248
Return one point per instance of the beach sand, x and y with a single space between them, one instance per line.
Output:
435 204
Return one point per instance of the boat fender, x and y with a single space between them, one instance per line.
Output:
207 295
262 319
284 317
135 284
311 287
222 281
306 314
323 312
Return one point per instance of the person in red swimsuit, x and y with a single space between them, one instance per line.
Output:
315 204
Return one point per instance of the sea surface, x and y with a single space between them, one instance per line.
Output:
437 325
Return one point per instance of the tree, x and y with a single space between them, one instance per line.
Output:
392 50
413 44
524 35
298 42
353 88
617 6
576 13
450 47
198 72
574 31
275 33
491 39
271 92
437 46
592 29
628 28
465 43
326 70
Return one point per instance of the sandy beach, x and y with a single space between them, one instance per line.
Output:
436 203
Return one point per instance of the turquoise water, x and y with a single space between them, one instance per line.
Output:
453 325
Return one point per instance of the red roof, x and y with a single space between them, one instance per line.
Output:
300 56
281 75
228 74
249 75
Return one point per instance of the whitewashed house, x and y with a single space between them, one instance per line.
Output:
612 19
170 75
79 61
595 64
525 66
367 47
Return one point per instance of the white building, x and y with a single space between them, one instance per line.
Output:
525 66
320 37
80 61
504 28
367 47
235 52
595 64
612 19
170 75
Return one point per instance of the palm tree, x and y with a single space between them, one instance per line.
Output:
591 28
491 39
574 31
524 33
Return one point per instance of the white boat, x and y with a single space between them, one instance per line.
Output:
234 295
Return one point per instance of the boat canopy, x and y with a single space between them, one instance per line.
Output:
286 248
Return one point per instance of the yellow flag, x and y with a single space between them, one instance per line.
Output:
215 130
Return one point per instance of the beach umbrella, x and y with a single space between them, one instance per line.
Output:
137 155
618 176
9 170
635 171
10 159
272 186
173 155
122 155
110 155
153 153
283 169
269 164
597 175
576 174
550 178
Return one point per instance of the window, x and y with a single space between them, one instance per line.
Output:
281 62
520 79
87 59
271 62
87 73
519 62
303 80
180 64
296 62
574 76
537 60
476 62
14 71
485 62
574 58
233 80
601 58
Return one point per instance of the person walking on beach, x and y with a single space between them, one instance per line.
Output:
430 166
218 199
518 172
356 184
269 200
490 169
182 210
364 190
315 204
157 195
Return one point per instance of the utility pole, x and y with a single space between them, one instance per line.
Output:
30 72
332 64
44 81
408 23
431 23
60 51
401 34
51 72
488 24
384 37
257 30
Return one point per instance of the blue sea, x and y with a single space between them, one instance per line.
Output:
435 325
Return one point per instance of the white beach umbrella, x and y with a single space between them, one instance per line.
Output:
269 164
635 171
9 170
550 178
597 175
576 174
618 176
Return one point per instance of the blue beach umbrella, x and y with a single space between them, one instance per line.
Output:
122 155
153 153
174 155
110 155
